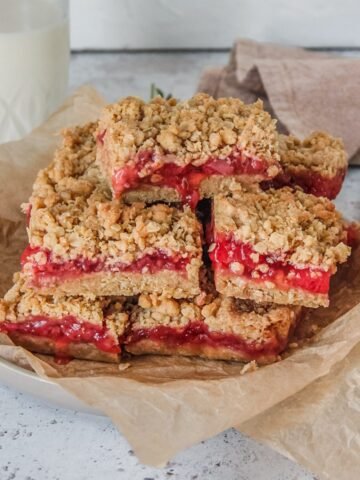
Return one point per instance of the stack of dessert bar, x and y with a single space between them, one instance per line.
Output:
186 228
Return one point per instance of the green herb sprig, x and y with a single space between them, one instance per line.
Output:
156 91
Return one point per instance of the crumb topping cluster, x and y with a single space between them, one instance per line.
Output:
185 132
299 228
21 303
72 213
319 152
221 314
251 321
75 156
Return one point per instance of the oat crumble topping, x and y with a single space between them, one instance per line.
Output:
20 303
249 367
185 132
72 213
221 314
319 152
305 228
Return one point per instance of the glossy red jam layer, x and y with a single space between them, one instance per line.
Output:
310 182
64 331
198 333
53 270
282 274
318 184
186 180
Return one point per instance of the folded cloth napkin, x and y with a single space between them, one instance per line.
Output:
304 90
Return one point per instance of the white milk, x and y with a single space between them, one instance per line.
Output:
34 62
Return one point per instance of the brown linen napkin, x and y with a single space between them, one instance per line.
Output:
304 90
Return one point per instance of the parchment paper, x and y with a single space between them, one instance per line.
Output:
305 406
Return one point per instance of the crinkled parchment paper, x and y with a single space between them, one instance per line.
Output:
306 406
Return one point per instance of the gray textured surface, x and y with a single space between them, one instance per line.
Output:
119 74
40 442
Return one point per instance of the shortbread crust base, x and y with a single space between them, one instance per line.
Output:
208 188
47 346
148 346
168 283
238 287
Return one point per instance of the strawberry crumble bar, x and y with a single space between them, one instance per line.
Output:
67 327
218 328
317 164
82 242
278 246
169 150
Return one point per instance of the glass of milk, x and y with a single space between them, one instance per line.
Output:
34 63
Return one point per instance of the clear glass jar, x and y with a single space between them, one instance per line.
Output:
34 59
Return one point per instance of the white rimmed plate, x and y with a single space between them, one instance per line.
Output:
29 382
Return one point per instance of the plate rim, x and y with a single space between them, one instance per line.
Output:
30 383
23 371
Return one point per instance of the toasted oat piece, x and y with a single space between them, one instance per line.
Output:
67 327
278 246
222 328
317 164
147 149
82 242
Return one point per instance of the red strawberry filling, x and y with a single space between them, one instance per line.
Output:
64 331
185 179
241 260
318 184
198 333
310 181
353 234
51 270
